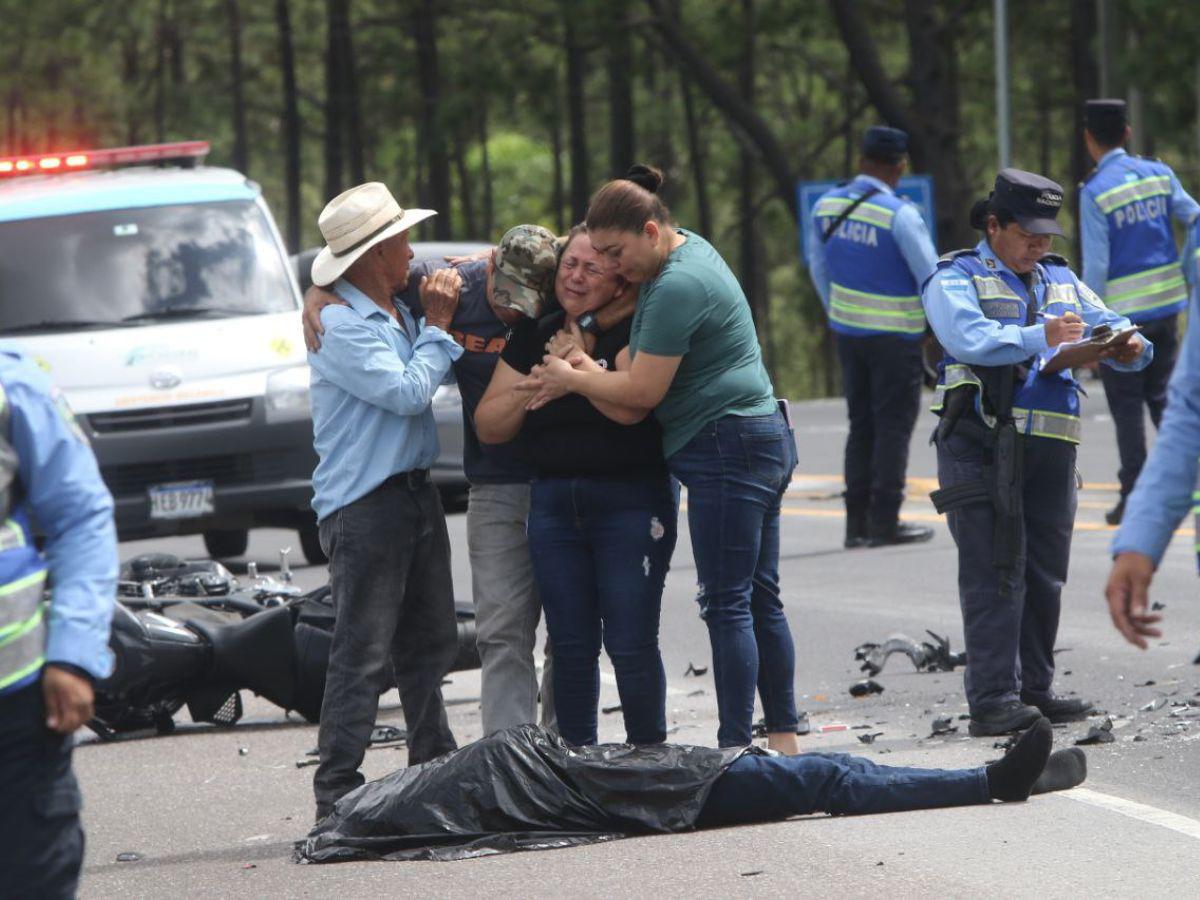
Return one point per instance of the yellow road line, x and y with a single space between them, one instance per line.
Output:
917 483
934 517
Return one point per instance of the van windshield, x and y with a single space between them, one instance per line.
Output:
140 267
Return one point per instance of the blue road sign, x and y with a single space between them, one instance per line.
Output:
917 188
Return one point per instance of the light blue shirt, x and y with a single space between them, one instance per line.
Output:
1094 226
952 307
1163 493
72 508
908 229
372 385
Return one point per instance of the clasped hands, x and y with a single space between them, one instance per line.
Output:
565 356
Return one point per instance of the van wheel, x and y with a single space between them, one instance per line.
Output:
226 542
310 543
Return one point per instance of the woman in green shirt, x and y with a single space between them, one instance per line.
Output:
694 360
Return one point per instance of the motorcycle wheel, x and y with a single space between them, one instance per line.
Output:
310 543
226 542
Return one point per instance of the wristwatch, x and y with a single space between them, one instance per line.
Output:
587 322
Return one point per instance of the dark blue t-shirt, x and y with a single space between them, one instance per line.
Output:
482 337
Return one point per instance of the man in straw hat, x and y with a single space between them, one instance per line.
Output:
379 515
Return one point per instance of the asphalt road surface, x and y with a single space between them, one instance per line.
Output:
213 812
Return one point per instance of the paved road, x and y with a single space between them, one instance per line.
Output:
211 821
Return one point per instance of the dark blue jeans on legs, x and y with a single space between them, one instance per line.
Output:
736 470
601 549
765 788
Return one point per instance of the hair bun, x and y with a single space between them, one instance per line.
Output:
979 214
646 177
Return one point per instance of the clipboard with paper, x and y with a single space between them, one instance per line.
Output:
1088 350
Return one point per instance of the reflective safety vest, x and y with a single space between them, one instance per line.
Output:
871 290
1144 278
22 577
1043 405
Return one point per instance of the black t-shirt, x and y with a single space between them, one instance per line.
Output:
570 437
482 336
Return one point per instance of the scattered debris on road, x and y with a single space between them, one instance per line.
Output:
1099 734
943 725
925 656
865 688
128 857
693 669
608 710
870 737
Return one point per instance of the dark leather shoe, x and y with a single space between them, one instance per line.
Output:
856 531
1003 719
900 533
1062 709
1116 514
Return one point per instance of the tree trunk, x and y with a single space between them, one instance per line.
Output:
160 73
465 200
697 159
619 59
291 125
334 107
1085 78
352 115
581 183
241 156
432 138
558 194
748 245
485 171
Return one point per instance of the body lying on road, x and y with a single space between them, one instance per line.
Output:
525 789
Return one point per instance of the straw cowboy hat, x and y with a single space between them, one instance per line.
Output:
355 221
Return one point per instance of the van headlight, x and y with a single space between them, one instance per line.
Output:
287 395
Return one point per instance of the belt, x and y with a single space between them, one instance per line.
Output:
412 479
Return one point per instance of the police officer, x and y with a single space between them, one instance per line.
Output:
1129 259
1007 440
1164 492
49 656
868 252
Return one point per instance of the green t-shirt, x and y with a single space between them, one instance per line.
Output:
696 309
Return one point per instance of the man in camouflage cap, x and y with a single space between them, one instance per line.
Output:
524 263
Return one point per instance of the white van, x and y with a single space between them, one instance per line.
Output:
157 294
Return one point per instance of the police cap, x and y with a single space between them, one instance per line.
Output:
1105 118
1034 201
883 143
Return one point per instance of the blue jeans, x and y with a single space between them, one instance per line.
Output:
763 788
736 471
601 549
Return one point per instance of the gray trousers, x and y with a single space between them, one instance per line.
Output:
506 608
389 571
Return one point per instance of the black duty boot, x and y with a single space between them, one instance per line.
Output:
1061 709
1117 513
856 530
1003 719
899 533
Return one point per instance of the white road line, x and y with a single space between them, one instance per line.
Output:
1140 811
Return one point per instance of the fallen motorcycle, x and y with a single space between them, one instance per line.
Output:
188 633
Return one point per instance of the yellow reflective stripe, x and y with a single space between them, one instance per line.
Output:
1142 189
22 672
1144 278
840 294
992 287
864 212
1061 293
1041 423
21 583
902 323
12 536
1160 286
10 633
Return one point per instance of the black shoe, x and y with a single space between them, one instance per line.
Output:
856 531
1003 719
1117 513
1064 770
1014 777
1062 709
900 533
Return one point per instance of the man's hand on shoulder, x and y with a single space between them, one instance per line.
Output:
316 299
439 297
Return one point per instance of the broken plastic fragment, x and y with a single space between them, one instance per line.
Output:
1156 606
869 738
128 857
863 688
1156 703
385 734
943 725
1099 734
607 710
693 669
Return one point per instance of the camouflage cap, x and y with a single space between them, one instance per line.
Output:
526 260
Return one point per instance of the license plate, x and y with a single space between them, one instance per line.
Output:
181 500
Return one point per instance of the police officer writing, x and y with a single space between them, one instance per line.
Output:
1007 441
1130 260
868 252
49 657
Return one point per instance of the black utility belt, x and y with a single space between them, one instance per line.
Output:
412 479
